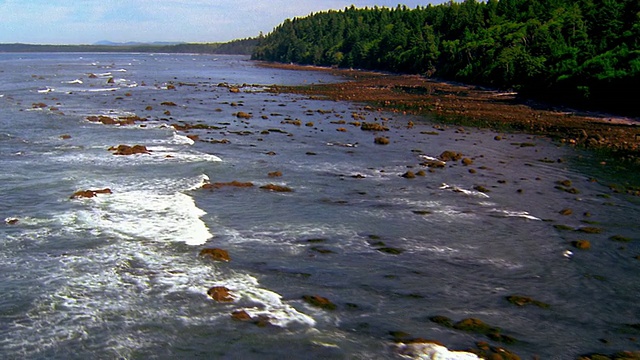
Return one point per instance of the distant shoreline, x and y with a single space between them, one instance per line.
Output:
237 47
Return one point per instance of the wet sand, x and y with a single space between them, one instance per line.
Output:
470 105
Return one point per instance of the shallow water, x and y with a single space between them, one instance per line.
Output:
119 276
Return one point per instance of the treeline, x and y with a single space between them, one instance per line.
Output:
236 47
578 52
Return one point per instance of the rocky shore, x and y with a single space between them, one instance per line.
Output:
475 106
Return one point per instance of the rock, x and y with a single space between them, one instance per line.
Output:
65 137
581 244
275 174
129 150
241 315
475 326
276 188
110 81
366 126
442 320
89 193
486 351
216 254
390 250
566 212
619 238
220 294
168 103
319 301
421 173
481 189
449 155
233 183
11 221
341 129
243 115
409 175
590 230
381 140
525 300
467 161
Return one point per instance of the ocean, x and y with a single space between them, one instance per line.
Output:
119 275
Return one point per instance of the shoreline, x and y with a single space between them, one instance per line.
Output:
469 105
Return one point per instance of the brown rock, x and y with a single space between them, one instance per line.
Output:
243 115
566 212
581 244
276 188
449 155
216 254
381 140
11 221
90 193
319 301
241 315
220 294
65 137
366 126
275 174
168 103
233 183
467 161
409 175
129 150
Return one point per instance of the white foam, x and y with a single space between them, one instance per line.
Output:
46 90
458 189
146 214
76 81
429 351
270 303
519 214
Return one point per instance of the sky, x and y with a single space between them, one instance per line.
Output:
90 21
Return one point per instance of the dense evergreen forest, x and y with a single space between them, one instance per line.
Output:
576 52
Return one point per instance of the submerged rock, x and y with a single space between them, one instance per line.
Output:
581 244
381 140
367 126
520 300
276 188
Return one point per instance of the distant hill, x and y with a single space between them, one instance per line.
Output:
235 47
134 43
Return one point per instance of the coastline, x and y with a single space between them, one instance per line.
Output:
462 104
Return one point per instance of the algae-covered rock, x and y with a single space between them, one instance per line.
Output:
442 320
90 193
233 183
449 155
486 351
520 300
475 326
620 238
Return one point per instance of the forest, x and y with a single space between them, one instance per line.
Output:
583 53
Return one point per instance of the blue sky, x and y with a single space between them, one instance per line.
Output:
90 21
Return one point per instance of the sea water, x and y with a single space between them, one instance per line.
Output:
119 275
